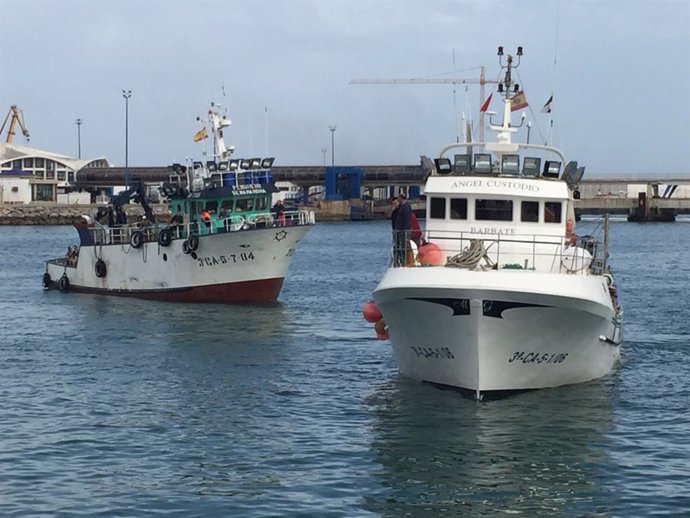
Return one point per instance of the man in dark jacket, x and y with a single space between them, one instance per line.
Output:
402 226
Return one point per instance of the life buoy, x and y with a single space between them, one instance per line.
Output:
63 283
569 227
193 243
46 280
136 239
165 237
101 269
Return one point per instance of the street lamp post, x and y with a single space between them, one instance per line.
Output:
78 123
323 150
126 94
332 130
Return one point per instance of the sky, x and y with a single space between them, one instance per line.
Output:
619 72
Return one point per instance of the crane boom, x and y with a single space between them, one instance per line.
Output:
17 118
481 81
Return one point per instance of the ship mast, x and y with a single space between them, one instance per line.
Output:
508 89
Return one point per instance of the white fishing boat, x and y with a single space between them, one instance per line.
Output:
223 244
502 295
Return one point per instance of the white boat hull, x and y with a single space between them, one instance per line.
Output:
241 266
499 330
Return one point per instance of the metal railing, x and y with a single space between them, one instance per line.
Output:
533 252
102 235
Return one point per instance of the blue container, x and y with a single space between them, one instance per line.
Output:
228 179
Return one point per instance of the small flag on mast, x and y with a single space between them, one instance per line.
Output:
547 106
485 105
518 101
200 135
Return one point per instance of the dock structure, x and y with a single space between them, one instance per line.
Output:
654 198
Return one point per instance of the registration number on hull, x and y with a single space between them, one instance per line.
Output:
537 357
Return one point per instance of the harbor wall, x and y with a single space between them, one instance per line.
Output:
51 214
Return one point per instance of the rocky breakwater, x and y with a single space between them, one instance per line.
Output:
59 214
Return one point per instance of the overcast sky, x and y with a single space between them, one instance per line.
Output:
620 81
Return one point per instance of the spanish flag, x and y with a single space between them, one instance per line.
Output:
518 101
200 135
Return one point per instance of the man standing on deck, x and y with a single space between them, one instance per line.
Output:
402 224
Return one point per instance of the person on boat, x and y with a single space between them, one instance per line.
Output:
120 216
206 218
402 225
279 211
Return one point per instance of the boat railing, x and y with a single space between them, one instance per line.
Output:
534 252
152 232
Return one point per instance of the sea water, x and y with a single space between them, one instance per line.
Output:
120 407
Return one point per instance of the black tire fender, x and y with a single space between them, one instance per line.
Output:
63 284
136 239
165 237
101 269
193 243
185 247
46 280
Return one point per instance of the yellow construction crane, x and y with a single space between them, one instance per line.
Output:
427 81
17 118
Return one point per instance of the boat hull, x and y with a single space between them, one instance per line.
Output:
470 330
232 267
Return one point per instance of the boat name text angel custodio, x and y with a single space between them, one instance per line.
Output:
496 183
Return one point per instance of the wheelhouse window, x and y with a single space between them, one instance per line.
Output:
437 208
493 210
552 212
458 208
212 205
243 205
529 211
261 203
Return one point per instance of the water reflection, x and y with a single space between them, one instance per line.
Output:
539 453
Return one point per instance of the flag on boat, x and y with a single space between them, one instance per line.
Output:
485 105
200 135
518 101
547 106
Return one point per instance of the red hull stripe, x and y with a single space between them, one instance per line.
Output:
264 290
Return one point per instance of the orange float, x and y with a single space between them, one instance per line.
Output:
371 312
430 254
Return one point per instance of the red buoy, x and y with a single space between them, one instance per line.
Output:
371 312
430 254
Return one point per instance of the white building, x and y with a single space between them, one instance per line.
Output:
50 174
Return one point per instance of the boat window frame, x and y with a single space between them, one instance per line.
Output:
462 215
479 211
523 211
558 214
433 199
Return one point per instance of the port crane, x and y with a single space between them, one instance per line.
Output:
444 80
17 117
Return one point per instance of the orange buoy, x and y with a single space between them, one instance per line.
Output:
371 312
430 255
380 327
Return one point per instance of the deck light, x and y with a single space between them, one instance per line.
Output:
245 164
551 169
255 163
500 51
211 165
443 166
267 163
482 163
234 164
223 166
519 52
531 166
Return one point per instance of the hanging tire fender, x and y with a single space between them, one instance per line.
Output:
46 280
136 239
193 243
101 269
63 284
165 237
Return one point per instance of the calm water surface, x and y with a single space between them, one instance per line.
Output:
119 407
